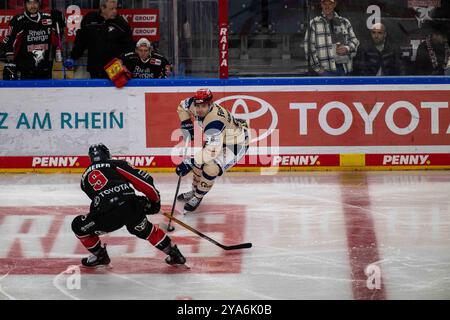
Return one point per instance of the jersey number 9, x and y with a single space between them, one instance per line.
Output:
97 180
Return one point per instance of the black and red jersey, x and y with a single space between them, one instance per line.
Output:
156 66
109 182
31 40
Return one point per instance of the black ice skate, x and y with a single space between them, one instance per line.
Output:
185 196
175 257
192 204
94 261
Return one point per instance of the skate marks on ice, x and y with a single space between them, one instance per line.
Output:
299 224
2 291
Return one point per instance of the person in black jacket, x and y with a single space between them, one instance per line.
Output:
30 44
378 57
105 34
114 204
433 54
144 63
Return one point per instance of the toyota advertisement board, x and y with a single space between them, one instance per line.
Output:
291 127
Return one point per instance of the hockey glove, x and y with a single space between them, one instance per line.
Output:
185 167
10 71
149 207
152 207
187 127
69 64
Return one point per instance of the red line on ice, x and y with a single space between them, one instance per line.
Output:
361 237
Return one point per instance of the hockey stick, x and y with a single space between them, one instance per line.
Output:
170 228
58 51
233 247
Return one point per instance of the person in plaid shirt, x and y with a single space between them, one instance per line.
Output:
330 43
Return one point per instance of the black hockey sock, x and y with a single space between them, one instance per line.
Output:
97 249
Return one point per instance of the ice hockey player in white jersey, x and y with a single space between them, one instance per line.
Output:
226 141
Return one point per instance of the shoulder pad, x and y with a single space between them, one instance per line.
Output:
117 162
215 127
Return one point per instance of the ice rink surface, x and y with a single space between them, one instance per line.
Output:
315 235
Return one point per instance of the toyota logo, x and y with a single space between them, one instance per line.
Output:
264 107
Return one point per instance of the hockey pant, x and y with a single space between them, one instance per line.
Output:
88 227
204 176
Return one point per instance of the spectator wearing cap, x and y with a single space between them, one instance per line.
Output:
433 54
144 63
330 43
105 34
378 56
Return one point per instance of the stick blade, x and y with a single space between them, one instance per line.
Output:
238 246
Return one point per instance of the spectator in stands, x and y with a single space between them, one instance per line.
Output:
105 34
29 47
330 43
379 56
433 53
144 63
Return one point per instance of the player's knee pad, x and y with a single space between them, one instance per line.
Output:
142 229
211 170
82 226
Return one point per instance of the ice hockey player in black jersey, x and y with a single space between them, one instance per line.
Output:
144 63
30 43
108 183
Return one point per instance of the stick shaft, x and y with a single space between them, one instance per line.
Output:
177 190
204 236
174 201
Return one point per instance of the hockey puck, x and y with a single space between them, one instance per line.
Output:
170 228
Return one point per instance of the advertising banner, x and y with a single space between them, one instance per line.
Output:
348 118
5 18
143 22
291 127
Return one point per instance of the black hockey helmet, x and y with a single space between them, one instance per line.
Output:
99 152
